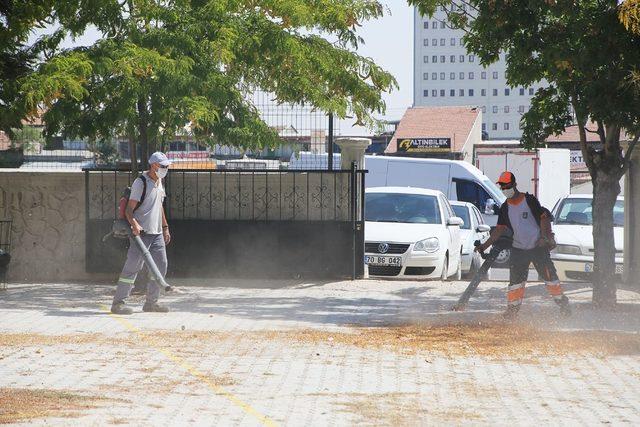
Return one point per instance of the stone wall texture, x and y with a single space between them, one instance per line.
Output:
48 231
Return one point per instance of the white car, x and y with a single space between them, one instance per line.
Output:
473 229
573 227
411 233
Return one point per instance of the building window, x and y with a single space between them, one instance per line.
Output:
495 92
520 126
484 126
434 93
452 59
426 59
507 92
442 24
425 93
461 58
461 92
442 77
495 75
443 42
434 76
495 109
506 109
442 59
425 76
461 42
434 24
472 58
452 76
521 91
530 91
506 126
470 92
461 75
484 108
441 92
452 92
434 42
471 75
453 42
483 92
521 109
426 25
434 59
425 42
494 126
483 75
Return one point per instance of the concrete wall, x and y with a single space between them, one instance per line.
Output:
48 229
632 223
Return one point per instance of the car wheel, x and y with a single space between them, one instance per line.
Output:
445 269
502 261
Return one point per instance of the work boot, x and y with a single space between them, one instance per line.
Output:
155 307
120 308
511 312
565 310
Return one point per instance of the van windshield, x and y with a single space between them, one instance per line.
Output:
409 208
493 189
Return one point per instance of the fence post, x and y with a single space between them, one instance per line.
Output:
354 202
330 143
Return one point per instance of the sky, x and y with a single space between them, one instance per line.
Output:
388 40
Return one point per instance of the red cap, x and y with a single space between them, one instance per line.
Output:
507 178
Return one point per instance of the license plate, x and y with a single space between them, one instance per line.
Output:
588 268
394 261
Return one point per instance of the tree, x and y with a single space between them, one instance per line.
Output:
586 56
165 68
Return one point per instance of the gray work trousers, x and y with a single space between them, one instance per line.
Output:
134 263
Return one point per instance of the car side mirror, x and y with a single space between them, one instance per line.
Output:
483 228
490 207
454 220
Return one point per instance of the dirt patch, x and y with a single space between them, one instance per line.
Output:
496 341
20 404
397 409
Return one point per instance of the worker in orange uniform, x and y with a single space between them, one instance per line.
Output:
533 238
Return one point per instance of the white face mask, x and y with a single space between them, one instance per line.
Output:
162 172
509 192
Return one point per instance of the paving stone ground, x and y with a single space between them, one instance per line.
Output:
338 353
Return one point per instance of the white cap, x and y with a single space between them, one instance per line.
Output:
159 157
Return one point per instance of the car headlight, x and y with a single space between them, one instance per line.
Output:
431 244
568 250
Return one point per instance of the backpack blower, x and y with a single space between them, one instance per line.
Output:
503 243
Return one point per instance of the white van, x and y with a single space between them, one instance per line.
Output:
458 180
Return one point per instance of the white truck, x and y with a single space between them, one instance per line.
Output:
457 180
545 172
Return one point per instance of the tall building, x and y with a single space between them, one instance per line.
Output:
445 74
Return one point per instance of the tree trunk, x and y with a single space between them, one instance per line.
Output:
143 120
606 188
133 155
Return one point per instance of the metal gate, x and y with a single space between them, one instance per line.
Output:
242 223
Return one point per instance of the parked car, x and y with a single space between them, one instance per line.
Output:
411 233
473 229
573 226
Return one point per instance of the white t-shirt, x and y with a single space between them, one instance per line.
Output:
149 213
526 231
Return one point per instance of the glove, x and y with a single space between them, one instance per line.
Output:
482 247
548 242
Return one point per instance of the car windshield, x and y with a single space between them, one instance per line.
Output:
580 212
395 207
463 212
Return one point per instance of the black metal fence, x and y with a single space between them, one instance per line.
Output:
300 129
254 223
